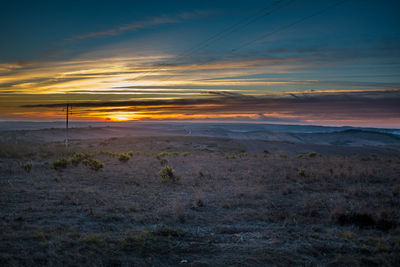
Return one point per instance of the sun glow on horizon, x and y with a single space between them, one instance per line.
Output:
121 116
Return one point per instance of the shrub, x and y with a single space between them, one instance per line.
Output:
27 166
175 154
93 164
61 163
44 155
95 239
79 156
364 220
167 174
124 156
243 154
185 154
312 154
163 161
109 153
302 172
163 154
283 155
164 230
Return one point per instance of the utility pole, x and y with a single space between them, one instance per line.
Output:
66 124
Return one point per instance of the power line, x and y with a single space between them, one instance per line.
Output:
319 12
291 24
263 13
255 16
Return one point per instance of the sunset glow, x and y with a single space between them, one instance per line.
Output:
263 68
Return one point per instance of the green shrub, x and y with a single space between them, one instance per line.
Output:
45 154
312 154
309 154
302 172
162 154
95 239
243 154
284 155
185 154
164 230
163 161
61 163
109 153
167 174
124 156
79 156
27 166
175 154
93 164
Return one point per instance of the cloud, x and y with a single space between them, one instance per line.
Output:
147 23
323 106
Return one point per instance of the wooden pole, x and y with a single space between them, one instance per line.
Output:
66 127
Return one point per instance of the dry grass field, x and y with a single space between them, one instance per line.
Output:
198 201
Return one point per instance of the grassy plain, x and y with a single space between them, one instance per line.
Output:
221 202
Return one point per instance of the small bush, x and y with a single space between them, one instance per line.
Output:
162 154
302 172
27 166
286 190
61 163
124 156
95 239
164 230
283 155
93 164
163 161
185 154
109 153
45 155
365 220
79 156
312 154
167 174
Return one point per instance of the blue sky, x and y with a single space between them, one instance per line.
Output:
146 50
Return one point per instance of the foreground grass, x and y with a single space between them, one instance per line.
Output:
230 207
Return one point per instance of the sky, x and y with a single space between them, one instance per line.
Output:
332 62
